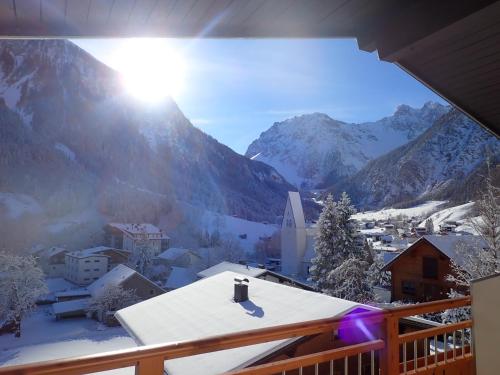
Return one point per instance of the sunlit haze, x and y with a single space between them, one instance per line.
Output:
235 89
152 70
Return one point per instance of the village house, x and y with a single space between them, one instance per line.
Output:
177 257
418 274
121 275
84 268
51 261
207 308
132 237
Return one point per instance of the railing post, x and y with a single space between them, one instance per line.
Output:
150 366
389 356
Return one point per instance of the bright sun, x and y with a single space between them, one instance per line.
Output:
152 70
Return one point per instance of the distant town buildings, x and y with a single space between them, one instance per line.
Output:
131 237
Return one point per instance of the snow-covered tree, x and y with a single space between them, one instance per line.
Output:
475 262
334 243
143 254
231 250
112 298
429 226
350 281
21 283
376 275
488 209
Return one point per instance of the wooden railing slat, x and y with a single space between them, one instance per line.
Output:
434 331
310 359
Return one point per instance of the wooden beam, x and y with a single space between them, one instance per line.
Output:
420 20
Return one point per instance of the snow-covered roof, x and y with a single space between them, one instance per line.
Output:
206 308
173 253
95 250
139 228
50 252
84 254
179 277
298 212
70 306
234 267
447 245
114 277
72 293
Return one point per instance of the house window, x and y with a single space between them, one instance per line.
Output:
87 261
430 268
87 270
408 287
96 269
96 261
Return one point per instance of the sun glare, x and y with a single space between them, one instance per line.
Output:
151 69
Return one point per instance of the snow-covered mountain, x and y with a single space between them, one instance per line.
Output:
315 149
71 140
441 163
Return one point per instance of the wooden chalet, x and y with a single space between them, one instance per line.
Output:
419 273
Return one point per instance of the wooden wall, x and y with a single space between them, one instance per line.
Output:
409 267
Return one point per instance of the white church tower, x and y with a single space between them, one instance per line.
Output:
293 236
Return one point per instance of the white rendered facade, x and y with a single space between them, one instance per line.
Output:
85 269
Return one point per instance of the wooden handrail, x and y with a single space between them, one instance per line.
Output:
310 359
434 331
132 356
427 307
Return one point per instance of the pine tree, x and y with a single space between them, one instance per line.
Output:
334 242
350 281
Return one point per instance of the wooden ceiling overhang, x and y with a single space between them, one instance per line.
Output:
452 46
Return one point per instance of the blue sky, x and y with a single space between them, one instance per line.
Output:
236 89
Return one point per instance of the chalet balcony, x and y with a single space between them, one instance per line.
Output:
444 349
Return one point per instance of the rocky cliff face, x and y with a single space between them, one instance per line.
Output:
443 162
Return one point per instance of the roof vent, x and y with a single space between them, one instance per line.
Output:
241 290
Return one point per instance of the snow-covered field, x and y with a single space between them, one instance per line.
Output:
234 226
460 214
422 210
44 338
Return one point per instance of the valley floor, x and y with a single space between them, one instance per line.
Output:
43 338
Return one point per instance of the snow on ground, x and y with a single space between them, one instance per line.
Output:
422 210
62 223
19 204
457 213
234 226
58 284
44 338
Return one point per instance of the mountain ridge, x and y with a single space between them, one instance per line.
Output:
73 141
312 150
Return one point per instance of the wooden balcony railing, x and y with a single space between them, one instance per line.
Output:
390 354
